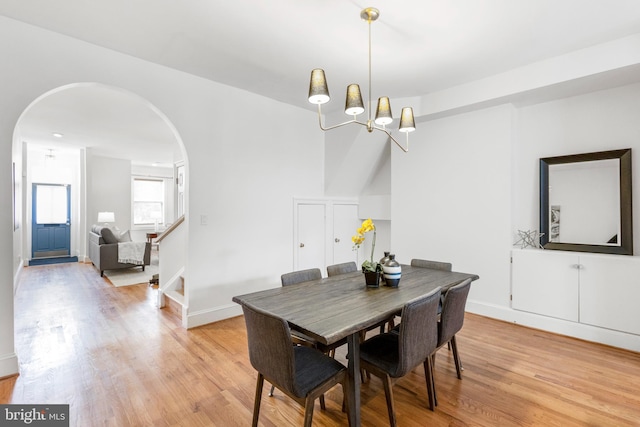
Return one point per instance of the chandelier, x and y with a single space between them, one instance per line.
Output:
319 94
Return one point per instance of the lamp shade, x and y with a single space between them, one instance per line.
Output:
353 105
318 90
407 123
106 217
383 112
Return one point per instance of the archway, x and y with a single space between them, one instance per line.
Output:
90 121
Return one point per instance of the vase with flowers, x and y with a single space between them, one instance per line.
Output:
370 268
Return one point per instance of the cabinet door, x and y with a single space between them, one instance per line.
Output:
610 293
311 236
545 282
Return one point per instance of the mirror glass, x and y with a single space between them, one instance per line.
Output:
585 202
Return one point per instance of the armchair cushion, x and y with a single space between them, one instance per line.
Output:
108 236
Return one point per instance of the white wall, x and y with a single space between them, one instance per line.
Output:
245 164
451 198
471 182
600 121
109 190
468 183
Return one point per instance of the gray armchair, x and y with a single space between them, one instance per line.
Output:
103 251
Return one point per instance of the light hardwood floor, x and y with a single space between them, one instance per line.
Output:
119 361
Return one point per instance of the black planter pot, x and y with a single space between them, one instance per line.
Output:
372 279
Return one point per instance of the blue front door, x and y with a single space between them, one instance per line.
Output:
50 224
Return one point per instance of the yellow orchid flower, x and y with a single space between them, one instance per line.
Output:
358 239
367 225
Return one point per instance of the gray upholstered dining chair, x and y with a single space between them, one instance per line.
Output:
302 373
452 319
434 265
343 268
393 355
298 338
300 276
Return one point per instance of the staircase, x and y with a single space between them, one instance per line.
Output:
171 287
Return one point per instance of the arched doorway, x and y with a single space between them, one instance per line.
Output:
73 135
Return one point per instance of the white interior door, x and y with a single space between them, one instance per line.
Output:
311 230
345 224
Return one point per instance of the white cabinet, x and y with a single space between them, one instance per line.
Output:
593 289
610 292
545 283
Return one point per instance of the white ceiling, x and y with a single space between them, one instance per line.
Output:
270 47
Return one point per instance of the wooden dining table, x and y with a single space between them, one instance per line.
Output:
338 307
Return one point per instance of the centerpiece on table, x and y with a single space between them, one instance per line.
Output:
370 268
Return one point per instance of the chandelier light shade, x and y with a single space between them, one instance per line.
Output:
318 90
383 112
353 105
407 123
319 94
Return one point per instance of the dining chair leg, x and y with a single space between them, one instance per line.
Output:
308 411
345 394
456 357
323 406
256 404
388 392
428 376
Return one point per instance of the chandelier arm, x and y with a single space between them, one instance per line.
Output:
338 125
406 150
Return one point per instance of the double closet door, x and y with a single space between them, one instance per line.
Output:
322 233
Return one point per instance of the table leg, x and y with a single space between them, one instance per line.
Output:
353 342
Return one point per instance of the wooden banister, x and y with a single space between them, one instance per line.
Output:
172 227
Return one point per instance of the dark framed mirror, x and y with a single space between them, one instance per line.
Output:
586 202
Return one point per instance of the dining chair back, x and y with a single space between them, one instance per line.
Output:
452 319
299 338
434 265
393 355
302 373
300 276
343 268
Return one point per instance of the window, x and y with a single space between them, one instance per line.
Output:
148 201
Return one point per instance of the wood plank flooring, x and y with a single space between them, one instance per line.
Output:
119 361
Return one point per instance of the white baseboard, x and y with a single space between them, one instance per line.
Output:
8 365
558 326
215 314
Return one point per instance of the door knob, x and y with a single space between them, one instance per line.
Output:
302 245
337 240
